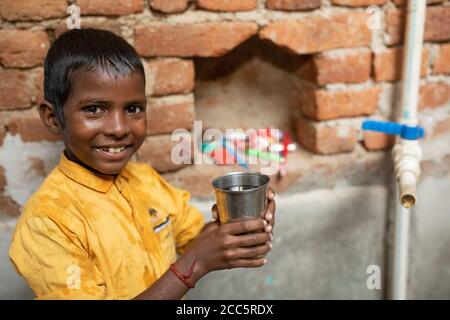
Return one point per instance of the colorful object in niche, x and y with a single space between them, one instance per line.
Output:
261 146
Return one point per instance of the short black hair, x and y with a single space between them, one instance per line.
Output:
85 50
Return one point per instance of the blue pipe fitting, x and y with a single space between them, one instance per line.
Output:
404 131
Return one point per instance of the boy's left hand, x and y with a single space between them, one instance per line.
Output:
269 215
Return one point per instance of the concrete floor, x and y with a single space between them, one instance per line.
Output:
430 242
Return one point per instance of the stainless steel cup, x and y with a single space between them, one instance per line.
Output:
241 195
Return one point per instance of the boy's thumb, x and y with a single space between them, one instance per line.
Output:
215 212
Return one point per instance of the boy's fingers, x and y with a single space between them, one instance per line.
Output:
215 212
248 263
269 216
270 212
254 239
253 252
245 226
270 193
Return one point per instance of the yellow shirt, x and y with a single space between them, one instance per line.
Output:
88 236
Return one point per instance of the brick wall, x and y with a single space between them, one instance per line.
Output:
348 72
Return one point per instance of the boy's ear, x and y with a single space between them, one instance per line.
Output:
49 119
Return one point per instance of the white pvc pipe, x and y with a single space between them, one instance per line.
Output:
400 268
407 153
412 56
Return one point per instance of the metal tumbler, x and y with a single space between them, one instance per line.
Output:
241 195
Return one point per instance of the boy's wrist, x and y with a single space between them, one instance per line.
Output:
188 262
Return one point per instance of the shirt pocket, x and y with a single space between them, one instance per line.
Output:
162 227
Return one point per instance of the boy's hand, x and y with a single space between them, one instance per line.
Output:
238 244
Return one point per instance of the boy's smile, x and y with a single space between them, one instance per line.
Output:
104 119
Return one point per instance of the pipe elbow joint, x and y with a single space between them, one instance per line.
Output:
407 157
407 181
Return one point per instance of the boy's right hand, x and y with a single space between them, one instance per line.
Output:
239 244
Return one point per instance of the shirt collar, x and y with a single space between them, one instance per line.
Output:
84 176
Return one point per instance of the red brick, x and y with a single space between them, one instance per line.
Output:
388 64
434 94
403 2
317 33
378 141
325 140
394 22
24 10
110 7
304 170
437 26
113 26
30 128
2 178
40 86
9 206
228 5
442 64
16 90
292 5
23 48
169 6
169 113
201 39
197 178
156 151
320 104
357 3
350 67
169 76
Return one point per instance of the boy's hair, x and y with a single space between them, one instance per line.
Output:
85 50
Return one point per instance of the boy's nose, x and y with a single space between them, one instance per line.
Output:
117 125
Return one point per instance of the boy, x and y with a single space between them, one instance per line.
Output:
101 227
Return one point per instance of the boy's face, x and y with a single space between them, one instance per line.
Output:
105 122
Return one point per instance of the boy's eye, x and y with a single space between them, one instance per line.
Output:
135 109
92 109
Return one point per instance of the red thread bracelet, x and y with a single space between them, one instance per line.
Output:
183 277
